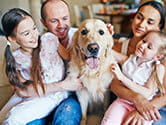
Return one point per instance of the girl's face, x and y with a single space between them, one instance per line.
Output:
146 19
26 34
147 48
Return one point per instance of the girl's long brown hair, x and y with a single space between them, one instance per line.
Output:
36 68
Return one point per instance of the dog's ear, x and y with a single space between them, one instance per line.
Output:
109 45
75 43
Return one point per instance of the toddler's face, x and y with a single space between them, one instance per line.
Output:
148 47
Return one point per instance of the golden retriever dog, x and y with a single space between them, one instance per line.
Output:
91 58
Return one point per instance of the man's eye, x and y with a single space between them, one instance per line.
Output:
53 21
65 18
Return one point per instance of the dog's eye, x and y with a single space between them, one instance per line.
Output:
84 32
101 32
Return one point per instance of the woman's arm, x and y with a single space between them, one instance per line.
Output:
143 106
146 91
149 110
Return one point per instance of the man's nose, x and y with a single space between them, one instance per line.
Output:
60 23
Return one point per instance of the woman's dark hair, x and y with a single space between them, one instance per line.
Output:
158 6
10 21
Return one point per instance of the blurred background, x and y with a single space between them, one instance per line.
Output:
117 12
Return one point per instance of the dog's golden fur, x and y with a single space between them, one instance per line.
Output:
93 68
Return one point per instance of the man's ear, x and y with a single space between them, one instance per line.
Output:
43 22
12 39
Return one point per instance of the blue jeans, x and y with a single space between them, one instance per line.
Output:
67 113
162 121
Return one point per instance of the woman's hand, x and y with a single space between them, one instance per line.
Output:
146 109
134 118
110 28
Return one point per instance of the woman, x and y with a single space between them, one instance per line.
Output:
150 16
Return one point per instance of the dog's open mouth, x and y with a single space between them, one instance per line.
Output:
92 61
91 56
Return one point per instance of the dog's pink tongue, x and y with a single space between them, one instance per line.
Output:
92 62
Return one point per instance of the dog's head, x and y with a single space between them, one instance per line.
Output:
92 42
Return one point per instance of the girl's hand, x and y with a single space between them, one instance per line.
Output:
117 72
110 28
71 84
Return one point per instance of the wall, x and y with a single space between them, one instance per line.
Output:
80 3
7 4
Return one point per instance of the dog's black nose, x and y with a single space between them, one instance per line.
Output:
93 48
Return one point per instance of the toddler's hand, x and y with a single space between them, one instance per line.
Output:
116 70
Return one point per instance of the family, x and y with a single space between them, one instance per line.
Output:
43 59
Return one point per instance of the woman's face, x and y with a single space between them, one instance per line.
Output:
146 19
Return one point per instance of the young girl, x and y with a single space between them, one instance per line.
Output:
19 27
137 70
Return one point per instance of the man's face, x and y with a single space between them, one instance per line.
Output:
57 19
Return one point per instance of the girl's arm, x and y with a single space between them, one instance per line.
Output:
69 84
146 91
